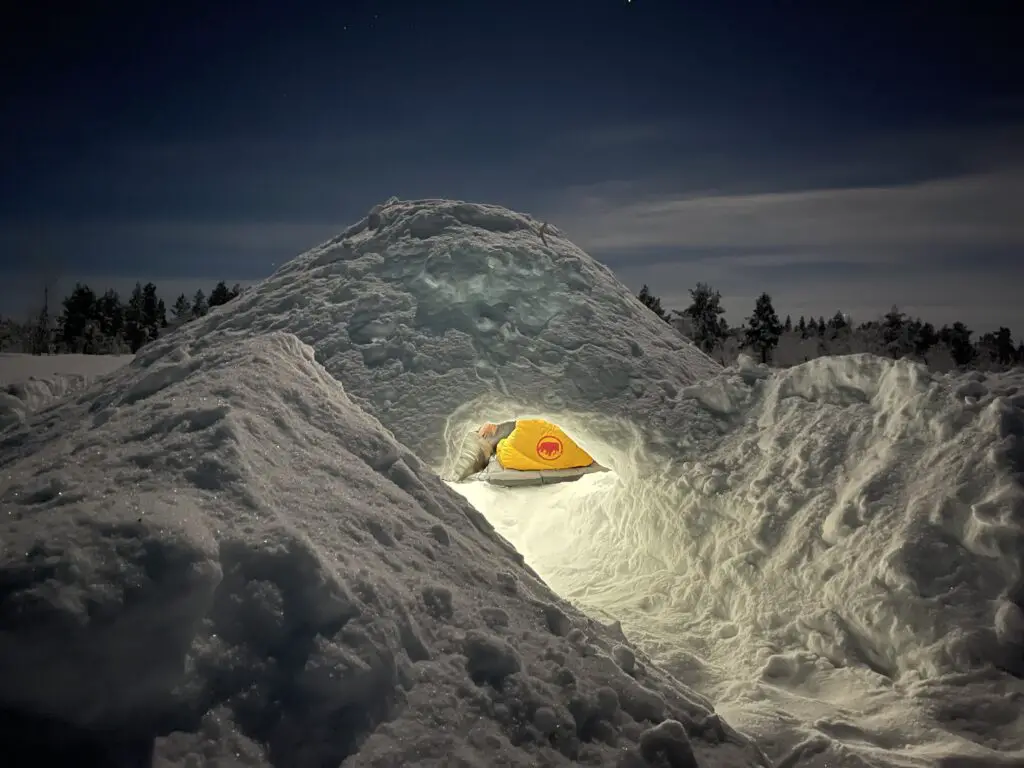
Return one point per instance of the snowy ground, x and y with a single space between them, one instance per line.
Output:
238 545
30 382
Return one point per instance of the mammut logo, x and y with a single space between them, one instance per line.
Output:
549 447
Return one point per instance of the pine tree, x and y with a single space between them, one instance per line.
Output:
895 334
705 314
788 325
763 328
154 315
922 337
79 321
199 305
958 339
110 316
802 327
136 329
1004 350
182 309
41 332
220 295
650 301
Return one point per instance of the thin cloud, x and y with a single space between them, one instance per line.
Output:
598 137
979 209
937 232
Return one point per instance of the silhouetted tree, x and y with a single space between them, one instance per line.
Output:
182 309
958 338
221 295
649 300
788 325
136 329
199 304
79 324
1005 353
705 316
894 333
110 315
922 337
763 328
153 314
40 331
838 322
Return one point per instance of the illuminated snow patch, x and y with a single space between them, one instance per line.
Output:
543 522
571 533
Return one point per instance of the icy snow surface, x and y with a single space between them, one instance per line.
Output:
237 549
30 382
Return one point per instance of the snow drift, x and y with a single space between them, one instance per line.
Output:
839 569
30 382
240 546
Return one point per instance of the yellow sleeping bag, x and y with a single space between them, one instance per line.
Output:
536 444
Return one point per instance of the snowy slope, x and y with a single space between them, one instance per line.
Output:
830 553
30 382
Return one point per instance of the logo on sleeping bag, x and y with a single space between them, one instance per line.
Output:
549 448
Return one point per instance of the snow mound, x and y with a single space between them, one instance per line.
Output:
218 555
31 382
426 306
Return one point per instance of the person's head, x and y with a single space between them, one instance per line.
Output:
487 448
488 434
474 455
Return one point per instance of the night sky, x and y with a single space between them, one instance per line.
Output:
838 155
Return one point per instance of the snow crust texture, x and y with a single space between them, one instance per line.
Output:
425 306
839 569
238 550
30 382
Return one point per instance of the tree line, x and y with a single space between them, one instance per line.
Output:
895 334
100 324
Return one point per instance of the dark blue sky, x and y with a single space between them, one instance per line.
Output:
835 154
